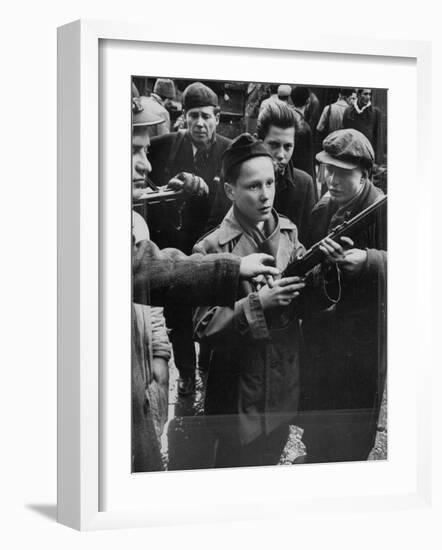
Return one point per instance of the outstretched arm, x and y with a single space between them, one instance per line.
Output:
168 276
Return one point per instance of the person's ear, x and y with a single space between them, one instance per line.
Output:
230 191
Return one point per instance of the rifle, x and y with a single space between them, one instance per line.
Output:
157 195
349 228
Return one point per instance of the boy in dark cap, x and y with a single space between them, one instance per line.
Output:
344 366
190 153
295 191
252 388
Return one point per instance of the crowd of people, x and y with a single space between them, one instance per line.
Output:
216 222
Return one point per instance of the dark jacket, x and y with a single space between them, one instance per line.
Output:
303 153
253 374
294 198
344 363
368 123
169 155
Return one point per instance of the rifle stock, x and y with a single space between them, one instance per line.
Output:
349 228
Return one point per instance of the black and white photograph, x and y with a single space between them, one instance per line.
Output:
259 273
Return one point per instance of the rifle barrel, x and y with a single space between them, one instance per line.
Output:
349 228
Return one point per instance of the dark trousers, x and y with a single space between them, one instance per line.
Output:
179 320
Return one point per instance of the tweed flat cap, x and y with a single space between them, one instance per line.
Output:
242 148
347 149
198 94
145 112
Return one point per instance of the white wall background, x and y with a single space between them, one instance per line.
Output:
28 268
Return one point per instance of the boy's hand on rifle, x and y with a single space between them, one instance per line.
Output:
350 260
282 292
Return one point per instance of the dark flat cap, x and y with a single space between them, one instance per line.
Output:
199 95
242 148
347 149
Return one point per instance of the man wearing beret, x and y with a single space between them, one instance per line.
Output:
295 193
195 151
252 386
189 154
344 365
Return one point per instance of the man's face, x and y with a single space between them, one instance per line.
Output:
201 124
280 142
342 184
140 165
351 98
254 190
364 97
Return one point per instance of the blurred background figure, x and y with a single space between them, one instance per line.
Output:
363 116
303 155
164 90
284 91
273 90
255 94
313 111
163 93
332 115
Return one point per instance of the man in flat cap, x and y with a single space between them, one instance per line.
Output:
252 387
344 366
191 153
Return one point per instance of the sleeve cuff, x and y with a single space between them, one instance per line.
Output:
250 317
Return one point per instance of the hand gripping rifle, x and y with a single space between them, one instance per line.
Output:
349 228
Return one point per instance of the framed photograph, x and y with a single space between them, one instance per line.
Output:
242 395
